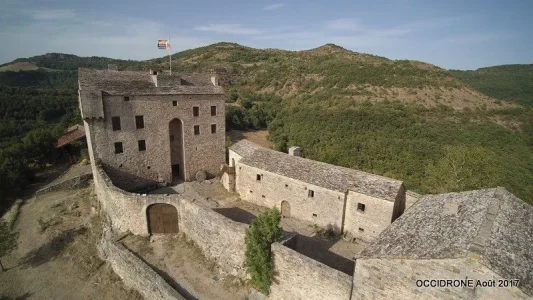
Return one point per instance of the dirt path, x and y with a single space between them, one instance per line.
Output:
56 257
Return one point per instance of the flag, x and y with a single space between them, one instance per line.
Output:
163 44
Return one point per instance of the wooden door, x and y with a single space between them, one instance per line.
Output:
162 218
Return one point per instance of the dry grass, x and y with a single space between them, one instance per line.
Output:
19 66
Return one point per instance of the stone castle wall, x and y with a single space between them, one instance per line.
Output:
300 277
135 273
220 238
325 208
396 279
201 152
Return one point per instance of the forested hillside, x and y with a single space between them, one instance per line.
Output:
404 119
507 82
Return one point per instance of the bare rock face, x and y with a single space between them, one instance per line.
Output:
201 176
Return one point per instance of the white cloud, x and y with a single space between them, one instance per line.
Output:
274 6
229 29
343 24
52 14
125 37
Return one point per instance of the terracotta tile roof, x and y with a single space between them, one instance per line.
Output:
75 133
317 173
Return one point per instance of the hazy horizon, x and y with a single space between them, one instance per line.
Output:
451 35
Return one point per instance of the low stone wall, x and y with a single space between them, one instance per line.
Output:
220 238
134 272
75 182
300 277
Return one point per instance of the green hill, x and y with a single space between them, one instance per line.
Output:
404 119
506 82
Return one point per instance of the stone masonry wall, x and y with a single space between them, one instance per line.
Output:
220 238
135 273
324 209
376 217
396 279
201 152
300 277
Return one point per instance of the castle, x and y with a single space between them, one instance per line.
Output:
147 129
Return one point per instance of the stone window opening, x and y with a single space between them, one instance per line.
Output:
310 193
286 185
262 196
361 229
148 167
126 98
118 148
174 103
361 207
315 215
115 122
196 129
196 111
251 192
213 128
258 177
142 145
213 110
139 122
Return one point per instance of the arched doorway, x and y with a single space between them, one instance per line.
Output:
175 132
285 209
162 218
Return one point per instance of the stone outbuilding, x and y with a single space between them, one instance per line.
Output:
342 199
452 239
148 128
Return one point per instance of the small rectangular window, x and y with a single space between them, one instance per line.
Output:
142 145
213 110
196 129
361 207
311 193
118 148
286 185
174 103
315 215
213 128
258 177
262 196
139 122
115 121
361 229
126 98
196 111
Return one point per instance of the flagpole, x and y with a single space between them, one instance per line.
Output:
170 56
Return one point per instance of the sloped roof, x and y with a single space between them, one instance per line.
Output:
75 133
492 223
317 173
141 83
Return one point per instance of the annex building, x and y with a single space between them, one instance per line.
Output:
342 199
484 235
148 128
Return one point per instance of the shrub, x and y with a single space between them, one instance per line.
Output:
264 231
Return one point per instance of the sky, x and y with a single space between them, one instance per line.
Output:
453 34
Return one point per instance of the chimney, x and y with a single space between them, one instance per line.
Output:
295 151
153 74
215 81
112 67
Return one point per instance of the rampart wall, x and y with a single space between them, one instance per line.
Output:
220 238
300 277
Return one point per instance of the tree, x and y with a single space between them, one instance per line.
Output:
8 241
264 231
